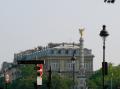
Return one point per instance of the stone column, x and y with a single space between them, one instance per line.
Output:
81 75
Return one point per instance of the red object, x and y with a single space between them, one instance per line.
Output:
39 74
40 69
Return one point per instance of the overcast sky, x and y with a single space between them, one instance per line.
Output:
25 24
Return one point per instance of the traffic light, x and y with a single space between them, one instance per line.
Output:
105 68
39 70
39 74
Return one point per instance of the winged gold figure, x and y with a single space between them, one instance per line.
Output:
81 31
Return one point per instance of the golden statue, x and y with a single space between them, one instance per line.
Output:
81 32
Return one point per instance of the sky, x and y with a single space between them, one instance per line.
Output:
26 24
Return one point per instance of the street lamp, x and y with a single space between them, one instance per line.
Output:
73 62
104 34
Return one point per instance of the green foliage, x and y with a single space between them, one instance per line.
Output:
95 81
29 78
1 82
59 82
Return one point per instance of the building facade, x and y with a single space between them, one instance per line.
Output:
58 57
11 70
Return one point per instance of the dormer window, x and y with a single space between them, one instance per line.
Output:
52 51
59 51
74 51
66 51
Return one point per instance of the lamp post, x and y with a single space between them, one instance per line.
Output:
73 62
103 34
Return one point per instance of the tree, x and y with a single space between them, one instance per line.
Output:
95 81
29 78
59 82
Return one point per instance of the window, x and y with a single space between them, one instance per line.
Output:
59 51
52 51
66 51
69 66
74 51
54 66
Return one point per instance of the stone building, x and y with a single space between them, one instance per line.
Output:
58 57
11 70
